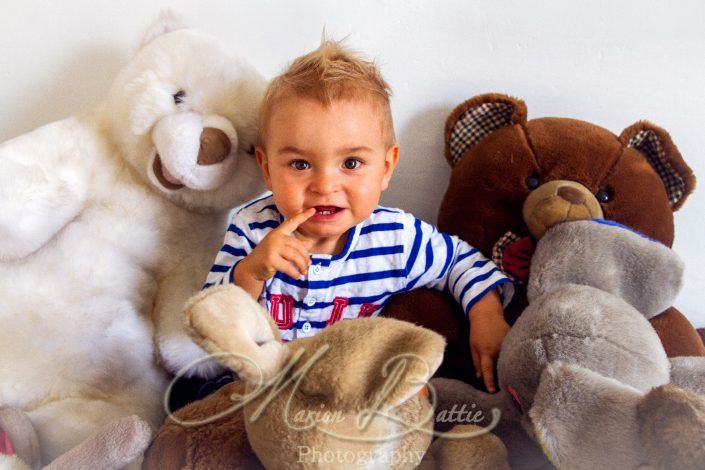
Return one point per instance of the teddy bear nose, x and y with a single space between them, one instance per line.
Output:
215 146
572 195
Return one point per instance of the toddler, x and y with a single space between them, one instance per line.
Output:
319 249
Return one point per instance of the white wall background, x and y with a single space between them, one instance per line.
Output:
609 62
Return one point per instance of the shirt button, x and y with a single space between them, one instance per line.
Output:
306 327
317 269
310 301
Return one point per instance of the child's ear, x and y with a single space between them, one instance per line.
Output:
390 162
264 166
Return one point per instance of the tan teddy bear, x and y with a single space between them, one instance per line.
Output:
352 396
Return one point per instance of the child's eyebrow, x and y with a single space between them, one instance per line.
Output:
343 150
355 149
291 149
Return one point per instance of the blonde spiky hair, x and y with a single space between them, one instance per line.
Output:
329 73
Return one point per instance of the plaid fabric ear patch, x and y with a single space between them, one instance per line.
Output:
648 143
498 251
475 124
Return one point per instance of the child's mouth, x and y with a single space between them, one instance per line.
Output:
326 212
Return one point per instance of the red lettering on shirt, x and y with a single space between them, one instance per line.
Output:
367 310
283 317
339 304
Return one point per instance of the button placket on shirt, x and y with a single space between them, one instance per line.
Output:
310 299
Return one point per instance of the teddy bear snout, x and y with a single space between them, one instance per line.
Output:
558 201
215 146
195 151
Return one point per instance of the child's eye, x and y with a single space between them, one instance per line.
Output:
352 164
300 165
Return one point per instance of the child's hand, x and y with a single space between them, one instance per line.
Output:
487 331
280 251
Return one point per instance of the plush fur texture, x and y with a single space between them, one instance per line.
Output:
223 443
494 162
672 428
523 453
95 252
345 370
579 362
645 274
260 353
487 452
578 414
20 431
12 462
554 202
688 372
113 446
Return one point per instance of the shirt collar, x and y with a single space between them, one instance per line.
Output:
325 260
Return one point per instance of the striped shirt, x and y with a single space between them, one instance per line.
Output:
388 253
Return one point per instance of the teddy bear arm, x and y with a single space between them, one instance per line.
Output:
228 324
192 438
177 351
94 432
438 312
115 445
42 188
578 415
453 397
522 451
479 450
671 426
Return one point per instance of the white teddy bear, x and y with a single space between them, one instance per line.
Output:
108 222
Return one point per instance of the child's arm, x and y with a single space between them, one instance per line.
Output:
445 262
487 331
278 251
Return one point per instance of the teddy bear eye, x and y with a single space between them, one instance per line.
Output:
604 195
532 182
179 97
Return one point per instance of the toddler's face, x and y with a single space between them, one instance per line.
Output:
331 158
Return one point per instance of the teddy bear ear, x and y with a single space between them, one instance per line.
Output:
478 117
167 22
662 154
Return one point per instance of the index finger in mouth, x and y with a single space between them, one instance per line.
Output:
289 226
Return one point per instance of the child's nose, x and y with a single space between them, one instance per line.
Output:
324 183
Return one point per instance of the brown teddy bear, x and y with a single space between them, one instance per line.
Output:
507 170
353 396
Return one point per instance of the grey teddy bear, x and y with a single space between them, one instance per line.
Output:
582 372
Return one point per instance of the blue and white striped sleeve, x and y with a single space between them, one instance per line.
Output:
237 244
445 262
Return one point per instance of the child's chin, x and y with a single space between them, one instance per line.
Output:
327 230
